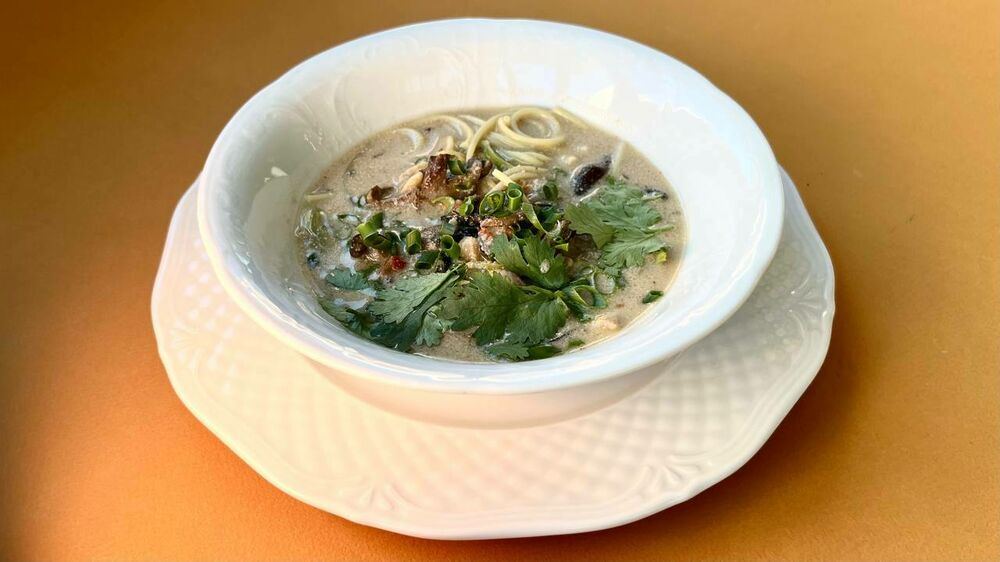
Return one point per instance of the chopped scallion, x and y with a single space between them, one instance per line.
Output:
651 296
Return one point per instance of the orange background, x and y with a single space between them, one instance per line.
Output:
885 115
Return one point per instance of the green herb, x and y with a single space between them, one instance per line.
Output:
537 318
507 350
622 224
355 320
488 303
574 343
401 309
543 351
520 351
651 296
585 220
551 190
536 261
499 309
629 249
432 329
347 279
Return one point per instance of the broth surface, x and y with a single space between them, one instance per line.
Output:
388 159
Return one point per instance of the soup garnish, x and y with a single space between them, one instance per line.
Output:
508 235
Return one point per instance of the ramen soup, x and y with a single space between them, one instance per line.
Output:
490 235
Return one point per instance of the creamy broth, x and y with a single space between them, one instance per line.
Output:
393 158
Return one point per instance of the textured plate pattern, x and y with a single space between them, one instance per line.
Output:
708 412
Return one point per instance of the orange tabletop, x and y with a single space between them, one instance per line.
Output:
885 115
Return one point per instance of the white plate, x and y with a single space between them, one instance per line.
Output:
705 416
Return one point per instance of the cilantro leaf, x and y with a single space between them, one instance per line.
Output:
432 329
348 279
398 301
537 261
356 321
507 350
401 309
629 249
585 220
488 301
519 351
622 207
538 318
632 221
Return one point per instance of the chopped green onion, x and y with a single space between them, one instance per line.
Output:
491 203
564 247
370 235
514 198
449 247
455 166
447 202
651 296
585 295
661 256
493 157
551 190
413 242
529 213
447 228
426 260
466 207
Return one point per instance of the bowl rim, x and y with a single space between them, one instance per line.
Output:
404 373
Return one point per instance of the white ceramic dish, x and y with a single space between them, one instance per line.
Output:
718 161
706 413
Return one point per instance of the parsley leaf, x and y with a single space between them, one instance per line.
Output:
537 261
488 301
347 279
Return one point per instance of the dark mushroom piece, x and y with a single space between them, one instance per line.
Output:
357 247
435 176
584 177
650 194
377 194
